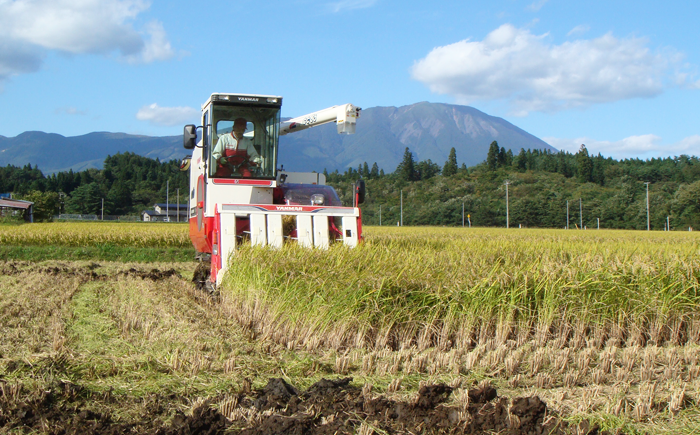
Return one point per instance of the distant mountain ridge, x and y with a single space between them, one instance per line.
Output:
55 153
429 130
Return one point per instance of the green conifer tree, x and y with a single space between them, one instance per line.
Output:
492 156
584 165
450 167
374 173
406 169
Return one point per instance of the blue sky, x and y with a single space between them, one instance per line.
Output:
621 76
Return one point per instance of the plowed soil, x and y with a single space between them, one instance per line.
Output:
327 407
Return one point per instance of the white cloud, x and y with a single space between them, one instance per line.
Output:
156 47
578 30
18 58
74 26
685 80
167 116
533 75
31 28
537 5
70 111
343 5
643 146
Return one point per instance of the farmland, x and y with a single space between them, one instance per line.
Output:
602 326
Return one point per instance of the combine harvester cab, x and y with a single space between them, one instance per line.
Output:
237 193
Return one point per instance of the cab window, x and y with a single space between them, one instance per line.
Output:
244 142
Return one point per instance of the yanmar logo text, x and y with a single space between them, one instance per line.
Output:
283 208
247 99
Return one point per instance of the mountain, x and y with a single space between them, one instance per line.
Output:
429 130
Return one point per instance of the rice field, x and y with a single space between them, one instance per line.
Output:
456 288
85 234
604 326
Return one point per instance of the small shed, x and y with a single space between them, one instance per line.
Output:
13 207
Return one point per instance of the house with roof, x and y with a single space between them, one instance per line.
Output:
16 207
166 213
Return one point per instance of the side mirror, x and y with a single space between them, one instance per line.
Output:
360 191
190 137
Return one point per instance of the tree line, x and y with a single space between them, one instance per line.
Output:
606 190
599 191
127 184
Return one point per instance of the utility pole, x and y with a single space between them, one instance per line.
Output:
167 200
567 214
598 222
178 204
668 223
401 207
462 214
380 215
648 226
507 210
580 211
102 216
61 201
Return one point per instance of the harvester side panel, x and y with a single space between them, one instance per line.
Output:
258 229
321 239
350 233
305 231
275 237
228 237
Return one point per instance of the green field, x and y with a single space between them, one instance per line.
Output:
602 325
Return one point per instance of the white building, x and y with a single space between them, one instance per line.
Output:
166 213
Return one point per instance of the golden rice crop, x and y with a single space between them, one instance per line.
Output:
83 234
457 287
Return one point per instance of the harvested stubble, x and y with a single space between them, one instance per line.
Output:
116 333
446 288
109 329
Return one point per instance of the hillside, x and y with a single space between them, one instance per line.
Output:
383 133
610 193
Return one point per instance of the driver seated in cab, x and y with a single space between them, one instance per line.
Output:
234 153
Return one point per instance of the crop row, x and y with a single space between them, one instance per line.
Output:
84 234
455 288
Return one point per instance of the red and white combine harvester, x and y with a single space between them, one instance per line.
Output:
238 194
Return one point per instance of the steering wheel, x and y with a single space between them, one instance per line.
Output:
244 163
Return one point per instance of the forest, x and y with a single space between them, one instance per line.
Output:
128 184
600 192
